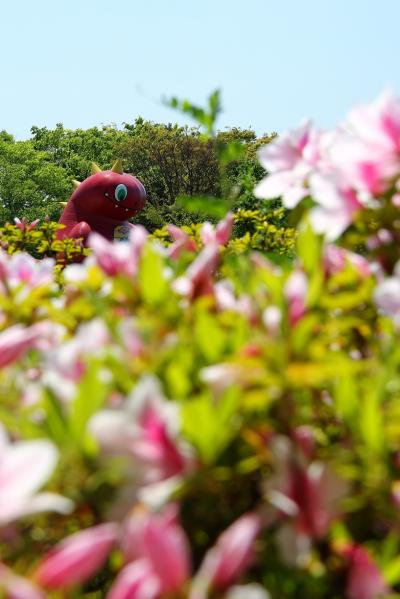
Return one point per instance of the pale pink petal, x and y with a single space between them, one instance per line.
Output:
232 554
160 540
135 581
24 468
77 558
17 587
365 580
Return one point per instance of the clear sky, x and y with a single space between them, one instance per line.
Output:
93 62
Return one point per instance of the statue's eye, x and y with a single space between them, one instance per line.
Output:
120 192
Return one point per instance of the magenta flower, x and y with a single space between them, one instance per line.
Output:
23 269
365 580
290 160
295 292
229 558
218 235
337 203
116 258
23 224
182 242
336 258
378 124
161 542
24 467
136 581
146 429
17 340
76 558
306 495
198 279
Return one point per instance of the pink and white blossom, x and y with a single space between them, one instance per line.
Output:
17 340
16 587
147 430
77 558
365 579
162 543
290 159
182 242
136 580
229 557
218 235
198 279
116 258
24 468
295 291
306 495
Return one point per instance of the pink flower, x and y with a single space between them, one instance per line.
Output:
135 581
17 340
68 359
116 258
218 235
23 224
198 279
337 205
147 429
17 587
295 291
365 580
182 242
336 258
23 269
161 542
24 467
230 556
226 300
290 160
77 558
378 124
387 295
305 493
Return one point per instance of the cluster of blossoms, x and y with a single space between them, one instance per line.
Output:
343 170
185 423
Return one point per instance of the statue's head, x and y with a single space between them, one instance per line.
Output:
112 194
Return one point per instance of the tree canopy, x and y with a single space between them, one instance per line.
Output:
171 160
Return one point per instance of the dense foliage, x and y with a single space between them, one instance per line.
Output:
185 417
172 161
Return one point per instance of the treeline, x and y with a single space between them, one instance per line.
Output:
172 161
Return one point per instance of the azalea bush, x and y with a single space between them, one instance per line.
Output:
181 419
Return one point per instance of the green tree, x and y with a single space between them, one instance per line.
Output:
31 185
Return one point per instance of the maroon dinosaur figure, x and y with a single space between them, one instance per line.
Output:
103 203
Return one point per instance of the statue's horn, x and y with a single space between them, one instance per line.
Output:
63 204
76 183
95 169
117 167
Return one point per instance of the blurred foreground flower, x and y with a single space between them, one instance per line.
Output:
77 558
24 467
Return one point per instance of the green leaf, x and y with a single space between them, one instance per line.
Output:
371 421
152 279
89 399
208 206
209 336
309 247
211 424
347 396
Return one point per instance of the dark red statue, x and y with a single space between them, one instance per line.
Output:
103 203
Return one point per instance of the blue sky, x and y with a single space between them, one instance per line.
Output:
89 62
